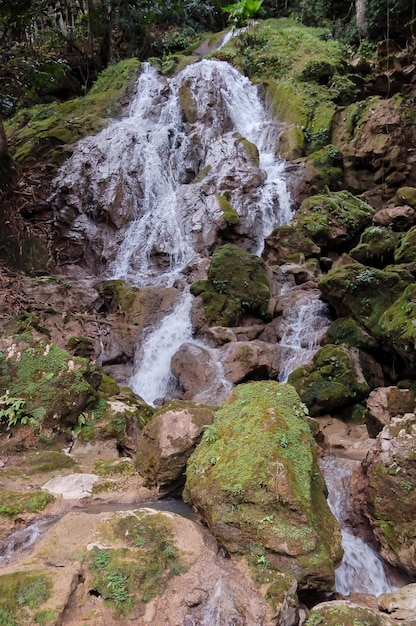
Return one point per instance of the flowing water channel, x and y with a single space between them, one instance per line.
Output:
361 570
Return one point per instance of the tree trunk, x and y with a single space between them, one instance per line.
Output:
360 18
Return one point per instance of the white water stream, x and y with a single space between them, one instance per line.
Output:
304 326
361 570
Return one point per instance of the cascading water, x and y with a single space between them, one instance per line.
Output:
361 570
304 327
186 142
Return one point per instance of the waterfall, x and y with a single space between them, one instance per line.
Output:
146 190
304 327
152 376
361 570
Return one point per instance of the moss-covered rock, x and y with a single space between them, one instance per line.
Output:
288 244
167 442
48 129
376 246
406 195
120 417
335 378
53 386
237 284
142 556
346 613
333 220
363 293
15 504
405 251
391 495
397 325
231 216
346 330
324 170
255 480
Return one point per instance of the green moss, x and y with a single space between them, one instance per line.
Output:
406 249
187 102
117 293
331 381
250 148
325 169
15 503
346 330
202 173
255 471
237 284
331 219
55 385
363 294
49 461
397 324
136 572
230 214
332 614
44 129
406 195
376 246
21 594
120 467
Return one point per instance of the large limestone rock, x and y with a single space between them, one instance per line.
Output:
346 612
401 604
338 376
250 360
255 481
199 374
384 403
391 469
167 442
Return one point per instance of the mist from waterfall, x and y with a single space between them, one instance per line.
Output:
361 569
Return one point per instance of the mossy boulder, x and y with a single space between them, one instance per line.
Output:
237 284
376 246
255 480
346 330
231 216
406 195
391 494
53 386
332 220
363 293
324 170
120 417
288 244
345 612
397 325
338 376
406 249
167 442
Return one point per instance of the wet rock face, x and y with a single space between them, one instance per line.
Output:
391 474
254 479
